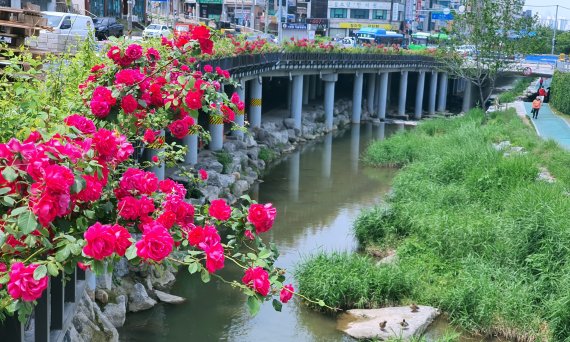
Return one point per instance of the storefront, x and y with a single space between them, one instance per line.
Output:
210 9
190 8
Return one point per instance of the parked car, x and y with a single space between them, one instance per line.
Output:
156 31
68 32
348 42
107 27
268 37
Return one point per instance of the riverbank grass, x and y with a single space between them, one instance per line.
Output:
477 234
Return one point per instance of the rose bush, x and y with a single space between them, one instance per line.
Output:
78 197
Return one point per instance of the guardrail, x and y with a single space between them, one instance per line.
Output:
52 315
259 63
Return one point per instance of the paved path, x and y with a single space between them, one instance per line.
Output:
549 125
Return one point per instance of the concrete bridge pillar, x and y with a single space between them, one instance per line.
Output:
191 142
306 90
329 81
240 114
255 103
289 94
216 133
467 94
420 95
432 92
357 97
318 86
403 93
442 101
297 100
377 94
371 90
312 87
389 92
383 95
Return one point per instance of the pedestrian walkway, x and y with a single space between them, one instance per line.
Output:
549 125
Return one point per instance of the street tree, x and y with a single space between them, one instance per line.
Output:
493 28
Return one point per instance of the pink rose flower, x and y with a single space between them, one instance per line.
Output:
129 104
214 257
22 283
156 243
261 216
248 234
100 241
134 52
220 210
286 293
155 159
179 129
83 124
257 279
149 136
203 174
122 239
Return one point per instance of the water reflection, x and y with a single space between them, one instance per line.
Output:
318 192
381 131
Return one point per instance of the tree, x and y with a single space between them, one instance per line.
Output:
493 28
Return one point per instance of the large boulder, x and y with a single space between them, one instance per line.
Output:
116 313
162 279
139 299
169 298
365 324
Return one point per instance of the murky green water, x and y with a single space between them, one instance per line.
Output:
318 192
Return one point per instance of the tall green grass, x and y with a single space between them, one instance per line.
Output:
477 235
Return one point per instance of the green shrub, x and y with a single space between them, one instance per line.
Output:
267 155
224 158
560 88
347 281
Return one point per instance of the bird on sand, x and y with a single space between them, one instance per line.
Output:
382 325
403 323
414 307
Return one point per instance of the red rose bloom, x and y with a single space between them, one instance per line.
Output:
193 99
156 243
128 77
200 32
178 128
203 174
83 124
261 216
129 104
22 283
286 293
149 136
220 210
3 269
207 46
122 239
214 257
208 68
100 241
257 279
134 52
93 189
58 179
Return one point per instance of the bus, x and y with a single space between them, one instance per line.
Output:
425 40
369 35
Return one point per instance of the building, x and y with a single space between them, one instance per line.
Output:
346 17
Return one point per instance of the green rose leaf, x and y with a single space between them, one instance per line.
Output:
40 272
264 253
18 211
205 276
27 222
254 305
52 270
321 302
193 268
62 254
277 305
9 174
4 191
131 252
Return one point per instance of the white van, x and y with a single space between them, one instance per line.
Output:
69 30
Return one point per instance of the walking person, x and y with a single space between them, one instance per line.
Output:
535 107
541 94
540 82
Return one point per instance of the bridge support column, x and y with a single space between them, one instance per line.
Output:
441 103
403 93
297 100
306 90
432 92
289 94
240 114
329 81
318 86
389 92
312 87
255 103
370 95
383 95
381 133
357 97
377 94
216 133
467 93
191 142
420 95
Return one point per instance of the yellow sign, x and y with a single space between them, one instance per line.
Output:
361 25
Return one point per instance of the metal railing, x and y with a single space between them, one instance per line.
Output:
53 313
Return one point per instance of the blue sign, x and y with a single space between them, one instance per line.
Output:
441 16
295 26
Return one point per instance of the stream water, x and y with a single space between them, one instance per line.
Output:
318 191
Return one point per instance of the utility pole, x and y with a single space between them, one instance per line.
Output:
554 31
391 11
279 23
266 16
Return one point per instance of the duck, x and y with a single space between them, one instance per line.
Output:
403 323
382 325
414 307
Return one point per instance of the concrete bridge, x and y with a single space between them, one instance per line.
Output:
313 76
